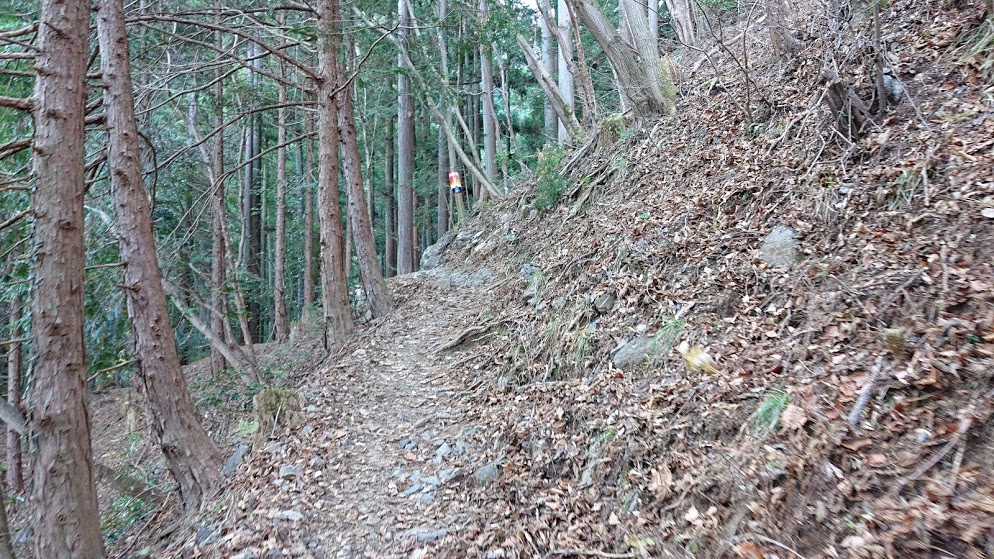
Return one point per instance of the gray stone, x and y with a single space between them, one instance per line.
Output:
411 490
894 88
449 474
780 247
487 474
442 452
604 302
632 353
431 480
408 444
206 534
235 460
529 270
433 255
426 498
291 470
317 462
291 515
422 535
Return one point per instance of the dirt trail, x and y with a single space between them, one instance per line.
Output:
375 469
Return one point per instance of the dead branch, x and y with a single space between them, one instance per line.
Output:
20 103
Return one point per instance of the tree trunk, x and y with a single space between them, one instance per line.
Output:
784 44
65 519
490 127
15 470
657 79
405 157
549 66
338 323
281 321
652 13
192 456
390 192
552 93
219 301
645 86
251 246
577 68
681 12
442 196
565 76
308 299
377 294
6 549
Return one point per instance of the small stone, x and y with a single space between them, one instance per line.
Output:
442 452
290 515
236 458
411 490
291 470
487 474
426 498
206 534
431 536
449 474
604 302
780 247
633 352
408 444
431 480
317 462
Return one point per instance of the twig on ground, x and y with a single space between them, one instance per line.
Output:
588 552
864 396
966 419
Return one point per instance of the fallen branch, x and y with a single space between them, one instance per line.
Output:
589 552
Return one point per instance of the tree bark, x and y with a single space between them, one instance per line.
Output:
6 549
405 157
15 469
490 126
565 76
308 299
549 66
784 44
65 519
563 110
681 12
281 321
442 194
645 86
390 194
338 323
219 301
377 294
251 245
192 456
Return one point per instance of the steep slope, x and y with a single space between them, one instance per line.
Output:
849 415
